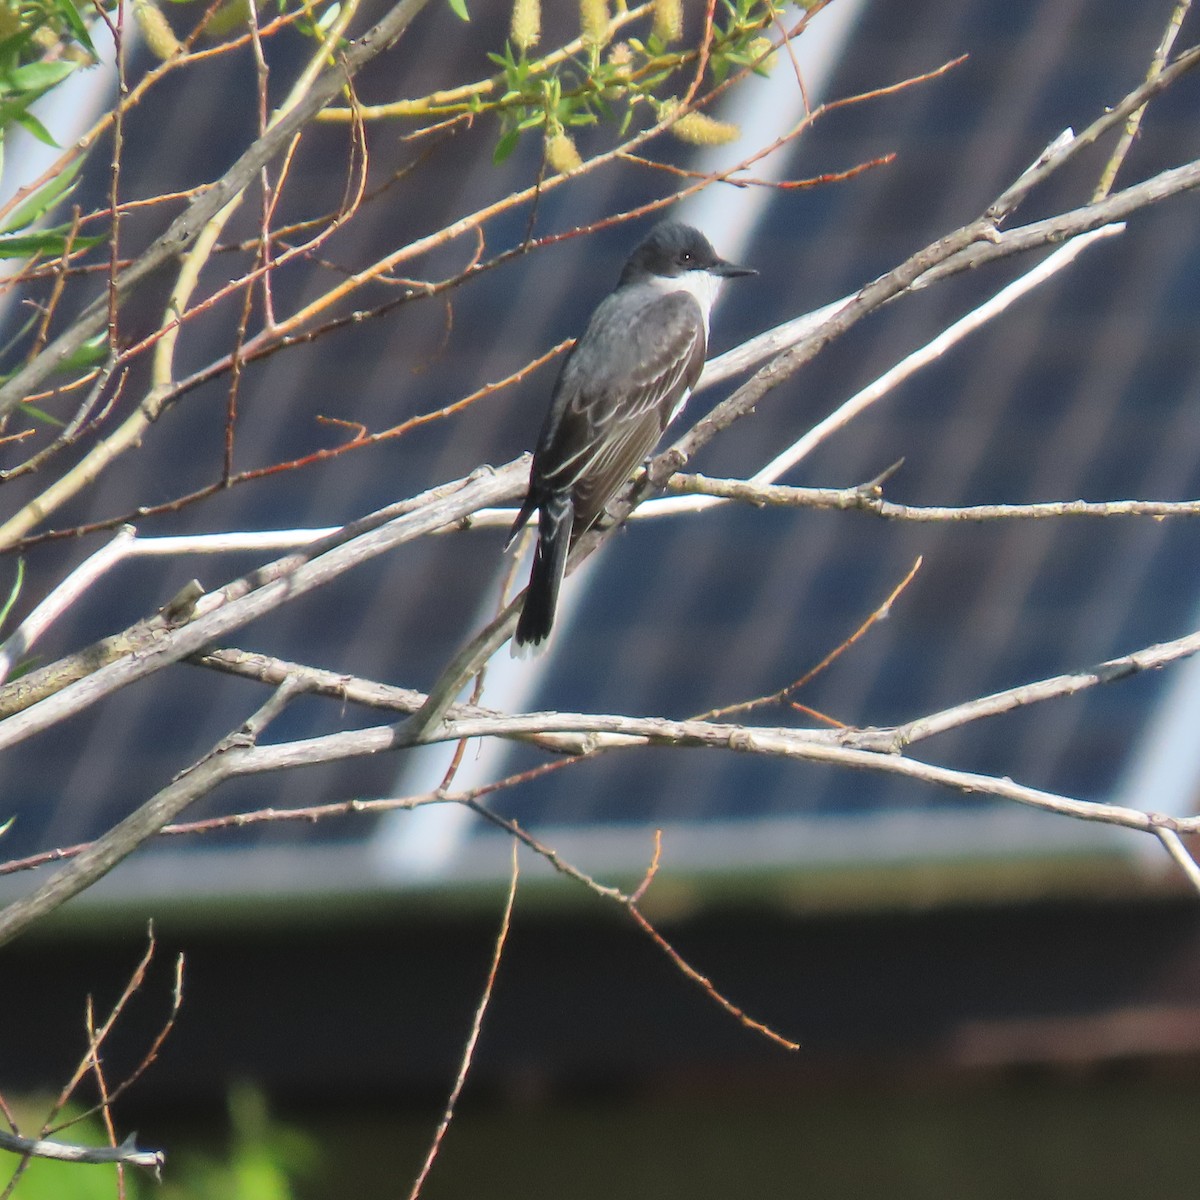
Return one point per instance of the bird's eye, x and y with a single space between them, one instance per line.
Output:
685 256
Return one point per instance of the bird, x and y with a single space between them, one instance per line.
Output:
625 380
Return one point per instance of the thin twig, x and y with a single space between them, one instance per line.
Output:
774 495
1133 122
1179 852
879 613
20 641
706 985
629 904
472 1038
186 228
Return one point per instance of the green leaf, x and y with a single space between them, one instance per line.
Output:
50 241
38 76
459 8
79 28
19 671
13 593
41 200
10 108
93 351
40 414
32 125
589 118
10 50
505 146
17 335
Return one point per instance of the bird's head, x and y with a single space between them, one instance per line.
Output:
672 250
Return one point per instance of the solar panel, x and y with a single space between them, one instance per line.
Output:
1083 389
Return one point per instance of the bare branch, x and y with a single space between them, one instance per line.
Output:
866 498
705 984
1151 658
1134 120
119 842
251 597
127 1152
1062 151
947 253
19 642
630 904
964 249
1179 852
473 1037
189 224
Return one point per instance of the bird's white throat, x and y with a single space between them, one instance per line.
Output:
701 284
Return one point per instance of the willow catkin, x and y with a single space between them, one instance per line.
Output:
699 129
526 26
156 30
561 153
668 20
593 21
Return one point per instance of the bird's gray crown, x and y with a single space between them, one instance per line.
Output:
673 249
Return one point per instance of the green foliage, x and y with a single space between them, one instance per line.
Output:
25 665
90 354
37 31
47 1180
13 592
20 86
607 84
265 1159
55 189
41 43
53 241
264 1162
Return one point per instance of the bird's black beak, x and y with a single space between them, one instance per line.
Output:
728 270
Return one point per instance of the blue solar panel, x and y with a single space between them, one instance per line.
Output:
1084 389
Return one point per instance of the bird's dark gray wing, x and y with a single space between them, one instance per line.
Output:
615 396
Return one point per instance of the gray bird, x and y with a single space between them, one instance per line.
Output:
627 378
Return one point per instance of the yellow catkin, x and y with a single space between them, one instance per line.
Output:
699 129
156 30
621 56
668 20
526 26
561 153
593 21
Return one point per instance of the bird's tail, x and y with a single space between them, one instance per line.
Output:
555 521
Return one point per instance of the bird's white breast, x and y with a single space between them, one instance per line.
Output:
702 285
